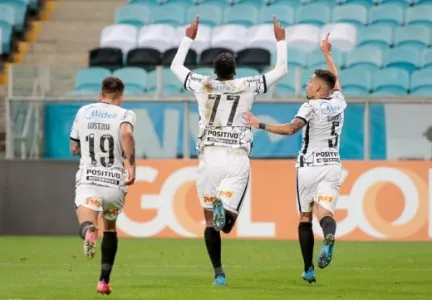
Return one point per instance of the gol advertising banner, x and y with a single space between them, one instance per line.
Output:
379 201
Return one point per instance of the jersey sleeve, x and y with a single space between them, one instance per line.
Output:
193 82
305 112
129 118
74 133
338 99
256 84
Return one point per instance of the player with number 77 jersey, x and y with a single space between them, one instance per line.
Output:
225 139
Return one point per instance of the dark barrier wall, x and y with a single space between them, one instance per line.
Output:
37 197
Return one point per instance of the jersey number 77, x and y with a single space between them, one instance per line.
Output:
217 99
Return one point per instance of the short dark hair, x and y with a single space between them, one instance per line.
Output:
224 65
112 87
328 77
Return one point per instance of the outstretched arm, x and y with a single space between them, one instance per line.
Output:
326 47
281 67
177 65
283 129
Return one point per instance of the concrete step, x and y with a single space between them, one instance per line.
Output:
71 59
92 10
70 32
62 47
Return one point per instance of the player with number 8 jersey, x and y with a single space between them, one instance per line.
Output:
224 140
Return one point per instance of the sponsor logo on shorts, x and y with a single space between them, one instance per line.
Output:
93 202
226 194
111 212
209 199
325 198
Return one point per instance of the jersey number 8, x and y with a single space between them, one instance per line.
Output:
103 139
234 98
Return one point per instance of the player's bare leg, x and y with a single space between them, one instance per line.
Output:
306 239
328 225
213 243
88 231
109 250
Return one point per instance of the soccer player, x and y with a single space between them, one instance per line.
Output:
224 140
102 134
318 165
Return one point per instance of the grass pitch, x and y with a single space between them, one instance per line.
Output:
55 268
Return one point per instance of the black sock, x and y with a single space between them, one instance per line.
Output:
213 243
229 222
109 250
328 225
306 239
83 228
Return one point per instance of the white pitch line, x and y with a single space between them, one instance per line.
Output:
268 267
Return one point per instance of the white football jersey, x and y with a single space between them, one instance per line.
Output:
97 128
221 106
321 135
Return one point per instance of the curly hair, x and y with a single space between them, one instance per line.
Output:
224 65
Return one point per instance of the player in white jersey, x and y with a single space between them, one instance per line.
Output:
224 141
102 134
318 165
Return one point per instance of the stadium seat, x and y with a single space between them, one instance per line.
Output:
401 3
297 58
292 4
90 79
284 13
257 3
245 72
229 36
390 81
83 92
7 15
171 85
158 36
387 14
254 57
202 40
204 71
246 15
343 36
110 58
221 3
306 75
173 14
134 79
303 36
208 56
375 35
329 3
421 82
418 2
402 57
287 85
121 36
261 36
168 56
316 58
415 36
133 14
367 57
210 14
356 81
6 38
316 14
366 3
151 86
427 58
146 58
419 14
19 12
354 14
146 2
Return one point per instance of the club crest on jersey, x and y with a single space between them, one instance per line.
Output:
93 112
326 108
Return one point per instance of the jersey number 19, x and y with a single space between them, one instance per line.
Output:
104 161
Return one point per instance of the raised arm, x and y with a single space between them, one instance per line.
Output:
281 67
177 65
326 48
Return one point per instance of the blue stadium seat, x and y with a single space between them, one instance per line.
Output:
316 14
134 79
20 11
418 2
284 13
146 2
419 14
421 82
415 36
297 58
246 15
246 72
354 14
375 35
171 85
7 15
387 14
292 4
356 81
204 71
367 3
90 79
257 3
402 57
6 38
316 58
172 14
427 58
401 3
367 57
306 74
221 3
391 81
329 3
133 14
286 86
210 14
